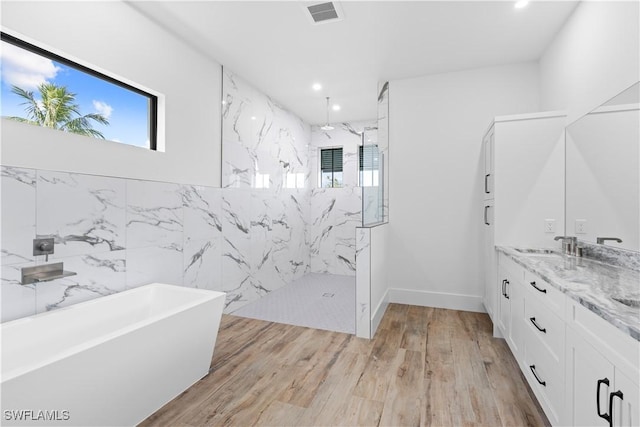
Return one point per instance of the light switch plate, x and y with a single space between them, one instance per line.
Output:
549 225
581 226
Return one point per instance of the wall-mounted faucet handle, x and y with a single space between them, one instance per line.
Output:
601 240
43 246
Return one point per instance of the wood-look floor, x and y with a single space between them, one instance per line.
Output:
425 366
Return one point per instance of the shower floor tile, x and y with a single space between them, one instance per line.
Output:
320 301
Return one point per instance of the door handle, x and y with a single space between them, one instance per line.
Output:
600 414
486 222
506 294
486 186
611 397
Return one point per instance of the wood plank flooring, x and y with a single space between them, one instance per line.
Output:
425 366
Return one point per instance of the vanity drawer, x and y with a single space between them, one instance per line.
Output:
549 296
548 381
547 326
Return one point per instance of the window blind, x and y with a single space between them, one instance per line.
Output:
331 160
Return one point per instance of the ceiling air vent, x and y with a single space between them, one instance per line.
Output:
324 12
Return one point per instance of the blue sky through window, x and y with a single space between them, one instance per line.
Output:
126 110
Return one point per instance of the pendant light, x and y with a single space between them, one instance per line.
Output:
327 126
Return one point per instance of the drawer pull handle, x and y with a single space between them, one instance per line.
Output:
533 370
506 295
611 396
486 187
600 414
544 291
533 320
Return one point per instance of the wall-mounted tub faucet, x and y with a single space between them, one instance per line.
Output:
601 240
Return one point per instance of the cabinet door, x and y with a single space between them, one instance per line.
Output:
590 379
504 279
490 291
626 403
515 336
488 147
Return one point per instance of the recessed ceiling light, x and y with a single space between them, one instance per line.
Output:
253 117
336 107
316 86
521 3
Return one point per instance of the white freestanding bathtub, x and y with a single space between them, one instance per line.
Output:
112 361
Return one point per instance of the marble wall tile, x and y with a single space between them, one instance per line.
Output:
202 212
154 264
347 217
18 209
321 234
84 213
236 244
154 215
97 275
264 206
16 300
237 109
262 142
238 165
203 264
363 283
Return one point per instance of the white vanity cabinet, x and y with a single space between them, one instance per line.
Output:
522 186
511 303
603 377
572 359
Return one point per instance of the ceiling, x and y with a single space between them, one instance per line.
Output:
274 45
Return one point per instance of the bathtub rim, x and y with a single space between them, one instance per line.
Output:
207 296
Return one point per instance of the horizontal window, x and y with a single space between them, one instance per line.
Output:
45 89
331 167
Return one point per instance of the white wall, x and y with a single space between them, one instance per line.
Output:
115 39
595 56
436 128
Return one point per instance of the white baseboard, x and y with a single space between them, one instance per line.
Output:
436 299
379 313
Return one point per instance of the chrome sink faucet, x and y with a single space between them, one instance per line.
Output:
601 240
569 243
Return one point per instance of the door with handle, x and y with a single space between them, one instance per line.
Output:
590 380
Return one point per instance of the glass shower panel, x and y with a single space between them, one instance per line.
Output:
374 162
371 178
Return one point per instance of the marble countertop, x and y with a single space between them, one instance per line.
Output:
592 283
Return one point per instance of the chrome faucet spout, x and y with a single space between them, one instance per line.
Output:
601 240
569 238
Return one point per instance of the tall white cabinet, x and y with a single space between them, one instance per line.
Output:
523 189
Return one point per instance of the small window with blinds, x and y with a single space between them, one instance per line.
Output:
369 165
331 167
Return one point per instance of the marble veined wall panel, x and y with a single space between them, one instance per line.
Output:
114 233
